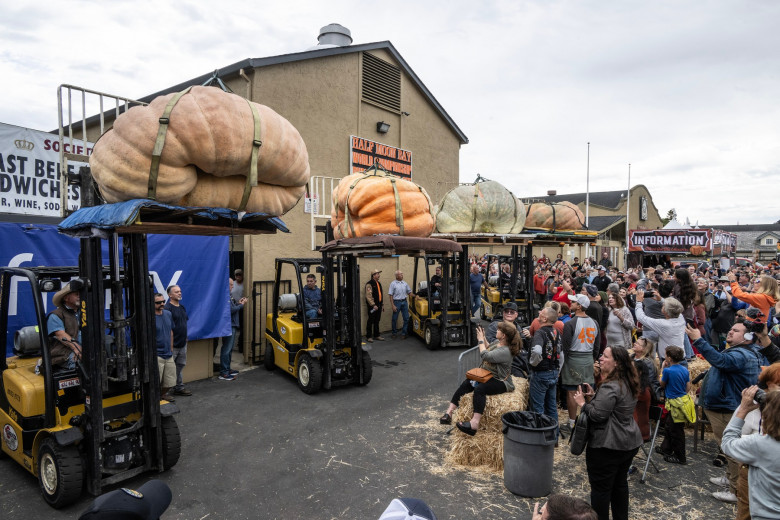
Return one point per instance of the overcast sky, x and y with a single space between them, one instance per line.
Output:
687 92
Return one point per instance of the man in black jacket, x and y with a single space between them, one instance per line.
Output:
374 300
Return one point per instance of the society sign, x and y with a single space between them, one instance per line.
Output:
30 171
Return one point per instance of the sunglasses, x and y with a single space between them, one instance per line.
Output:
160 303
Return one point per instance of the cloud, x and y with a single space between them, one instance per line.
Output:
683 91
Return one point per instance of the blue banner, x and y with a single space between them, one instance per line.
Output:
199 265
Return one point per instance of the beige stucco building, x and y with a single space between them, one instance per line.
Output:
330 94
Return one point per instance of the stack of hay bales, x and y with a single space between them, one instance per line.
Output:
486 448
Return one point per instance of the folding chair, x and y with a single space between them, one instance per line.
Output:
655 415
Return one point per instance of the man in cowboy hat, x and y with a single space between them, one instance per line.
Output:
374 300
63 326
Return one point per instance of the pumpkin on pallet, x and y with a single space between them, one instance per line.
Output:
484 206
203 147
377 203
554 216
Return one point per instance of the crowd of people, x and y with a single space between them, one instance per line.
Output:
613 343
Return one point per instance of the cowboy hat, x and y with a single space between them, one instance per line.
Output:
72 286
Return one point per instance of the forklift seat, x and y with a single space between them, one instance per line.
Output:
27 342
422 288
493 280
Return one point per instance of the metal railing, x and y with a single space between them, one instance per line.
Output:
90 115
320 193
262 292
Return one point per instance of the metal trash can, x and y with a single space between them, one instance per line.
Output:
529 448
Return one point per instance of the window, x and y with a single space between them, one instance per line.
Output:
769 241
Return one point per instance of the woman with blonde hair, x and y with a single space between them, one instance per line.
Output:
763 298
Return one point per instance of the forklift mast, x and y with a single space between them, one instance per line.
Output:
119 352
343 328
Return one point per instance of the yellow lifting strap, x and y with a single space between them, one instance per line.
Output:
399 214
251 179
160 143
474 206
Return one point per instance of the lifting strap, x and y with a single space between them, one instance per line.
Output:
160 143
251 179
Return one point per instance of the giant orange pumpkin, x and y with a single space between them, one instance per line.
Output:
373 204
554 216
697 250
210 136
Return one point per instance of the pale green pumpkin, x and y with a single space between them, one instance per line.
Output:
482 207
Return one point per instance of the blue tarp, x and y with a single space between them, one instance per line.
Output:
203 277
137 211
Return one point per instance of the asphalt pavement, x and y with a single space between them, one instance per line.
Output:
259 448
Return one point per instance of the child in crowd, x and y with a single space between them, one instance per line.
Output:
676 382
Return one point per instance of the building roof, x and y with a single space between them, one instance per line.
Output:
745 227
602 224
605 199
254 63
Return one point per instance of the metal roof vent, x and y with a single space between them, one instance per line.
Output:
334 35
552 193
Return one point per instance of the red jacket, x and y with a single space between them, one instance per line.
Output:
539 284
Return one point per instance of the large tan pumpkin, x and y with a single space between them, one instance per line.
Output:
482 207
555 216
210 136
366 204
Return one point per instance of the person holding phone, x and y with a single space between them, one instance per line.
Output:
496 359
613 434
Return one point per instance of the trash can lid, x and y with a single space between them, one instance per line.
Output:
528 421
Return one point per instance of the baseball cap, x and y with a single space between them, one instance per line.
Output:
150 501
511 306
581 299
591 289
602 268
408 509
375 271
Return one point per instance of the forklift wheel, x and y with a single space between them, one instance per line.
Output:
171 442
368 370
60 473
309 375
432 337
268 358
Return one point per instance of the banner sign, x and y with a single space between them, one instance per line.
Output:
363 153
30 171
723 243
679 241
203 277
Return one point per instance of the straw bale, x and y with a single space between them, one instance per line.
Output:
484 449
487 447
695 367
497 405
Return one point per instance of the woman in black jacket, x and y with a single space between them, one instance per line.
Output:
613 435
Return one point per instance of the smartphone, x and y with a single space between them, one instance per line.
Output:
690 323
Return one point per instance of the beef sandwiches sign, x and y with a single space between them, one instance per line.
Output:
30 171
680 241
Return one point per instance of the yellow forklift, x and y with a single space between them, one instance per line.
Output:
103 421
510 285
328 351
439 310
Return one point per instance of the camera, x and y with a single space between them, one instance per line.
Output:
760 397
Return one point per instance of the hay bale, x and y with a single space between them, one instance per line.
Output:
695 367
487 447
